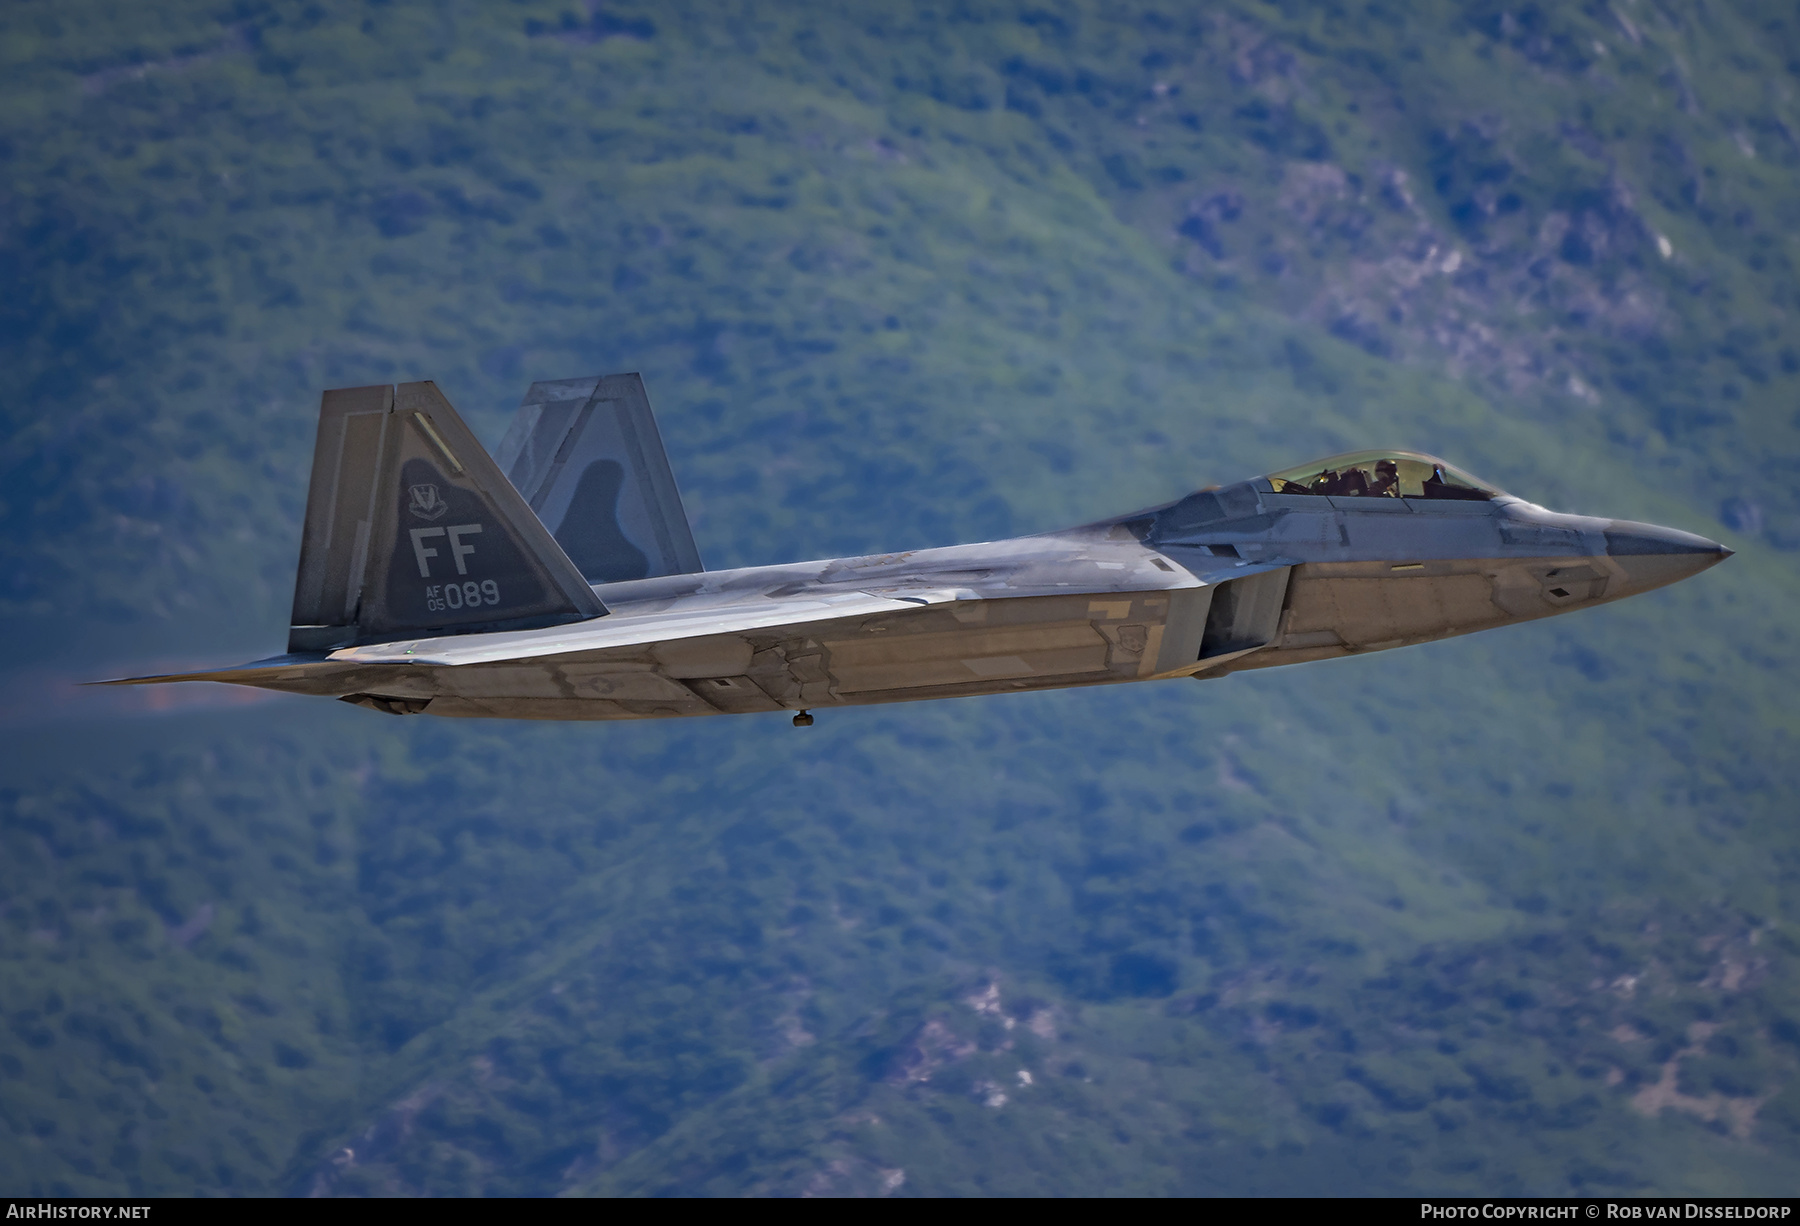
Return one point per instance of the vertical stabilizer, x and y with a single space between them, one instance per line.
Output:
412 530
587 457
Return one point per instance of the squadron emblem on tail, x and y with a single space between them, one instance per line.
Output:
425 503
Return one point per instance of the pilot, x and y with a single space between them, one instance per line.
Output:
1387 480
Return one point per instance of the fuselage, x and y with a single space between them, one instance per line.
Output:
568 586
1225 580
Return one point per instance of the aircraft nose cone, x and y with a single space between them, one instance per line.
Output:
1653 557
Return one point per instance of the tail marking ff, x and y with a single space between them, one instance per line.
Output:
412 530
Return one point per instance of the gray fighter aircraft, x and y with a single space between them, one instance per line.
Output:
562 582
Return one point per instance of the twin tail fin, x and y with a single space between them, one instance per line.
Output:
413 530
586 456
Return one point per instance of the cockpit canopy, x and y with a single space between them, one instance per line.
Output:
1382 474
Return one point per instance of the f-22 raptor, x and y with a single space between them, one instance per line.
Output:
559 580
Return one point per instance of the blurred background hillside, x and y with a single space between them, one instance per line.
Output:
1509 913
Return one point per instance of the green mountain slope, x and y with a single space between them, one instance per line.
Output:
1499 914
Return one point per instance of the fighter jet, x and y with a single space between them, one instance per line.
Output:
559 580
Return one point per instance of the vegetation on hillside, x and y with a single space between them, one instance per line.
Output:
1502 914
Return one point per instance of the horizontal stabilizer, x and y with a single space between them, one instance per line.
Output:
587 457
239 674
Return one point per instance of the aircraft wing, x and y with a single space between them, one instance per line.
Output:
793 613
308 672
854 629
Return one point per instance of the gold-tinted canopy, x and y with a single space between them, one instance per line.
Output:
1382 474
